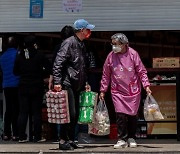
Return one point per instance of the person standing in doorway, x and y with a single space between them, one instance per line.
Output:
125 71
10 89
30 64
65 33
69 73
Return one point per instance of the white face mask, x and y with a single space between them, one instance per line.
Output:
116 48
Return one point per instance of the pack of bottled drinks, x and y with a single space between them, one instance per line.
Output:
57 107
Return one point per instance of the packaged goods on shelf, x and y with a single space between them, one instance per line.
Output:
166 62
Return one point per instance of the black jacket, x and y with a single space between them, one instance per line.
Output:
69 66
31 71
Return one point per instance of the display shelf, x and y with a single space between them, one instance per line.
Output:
149 70
162 81
163 70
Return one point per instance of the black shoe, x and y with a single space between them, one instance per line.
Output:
6 138
15 138
65 146
74 145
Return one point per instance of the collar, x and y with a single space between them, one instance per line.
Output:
77 38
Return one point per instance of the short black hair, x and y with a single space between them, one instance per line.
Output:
29 41
67 31
12 42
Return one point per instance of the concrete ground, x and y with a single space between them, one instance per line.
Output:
153 146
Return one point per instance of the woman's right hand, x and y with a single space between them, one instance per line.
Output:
148 90
101 96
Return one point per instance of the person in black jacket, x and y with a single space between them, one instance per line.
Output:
66 32
69 72
29 65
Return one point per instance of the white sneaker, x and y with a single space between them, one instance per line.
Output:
23 141
120 144
41 140
132 143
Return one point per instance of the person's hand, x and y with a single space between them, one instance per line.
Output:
87 87
57 87
50 84
101 96
148 90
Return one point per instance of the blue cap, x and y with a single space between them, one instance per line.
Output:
81 23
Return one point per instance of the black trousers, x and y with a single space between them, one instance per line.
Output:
30 105
127 125
11 112
68 130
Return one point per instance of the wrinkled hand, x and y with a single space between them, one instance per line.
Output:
87 87
101 96
148 91
57 87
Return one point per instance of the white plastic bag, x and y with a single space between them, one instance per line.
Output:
101 124
151 109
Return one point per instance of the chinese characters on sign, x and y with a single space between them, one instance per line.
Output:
72 5
36 8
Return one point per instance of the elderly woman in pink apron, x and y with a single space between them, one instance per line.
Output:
124 70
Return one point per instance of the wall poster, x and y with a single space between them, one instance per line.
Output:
36 9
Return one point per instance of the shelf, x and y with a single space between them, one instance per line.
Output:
162 81
163 70
157 121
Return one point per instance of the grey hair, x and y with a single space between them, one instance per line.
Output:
120 37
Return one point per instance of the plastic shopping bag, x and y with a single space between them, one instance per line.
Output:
101 124
87 104
85 115
88 99
151 109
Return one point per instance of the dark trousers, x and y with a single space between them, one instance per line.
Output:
68 130
12 110
126 126
30 104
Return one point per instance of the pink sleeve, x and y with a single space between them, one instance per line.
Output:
106 74
141 70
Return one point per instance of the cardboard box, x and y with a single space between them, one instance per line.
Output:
165 95
161 128
166 62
